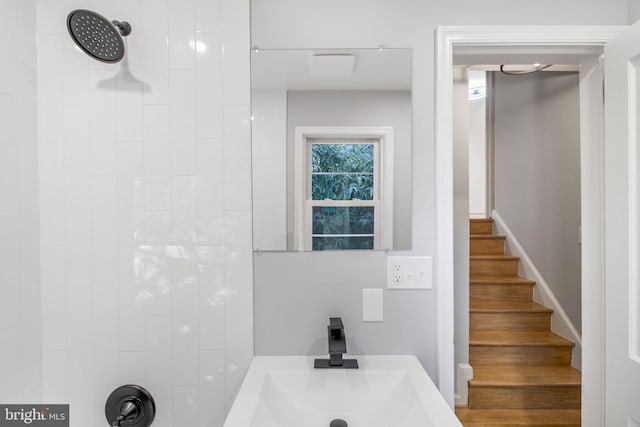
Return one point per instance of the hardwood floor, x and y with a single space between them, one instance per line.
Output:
522 370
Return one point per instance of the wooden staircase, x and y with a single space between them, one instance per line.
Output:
522 374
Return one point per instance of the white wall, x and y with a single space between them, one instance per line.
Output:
20 320
269 155
146 209
537 175
461 128
281 24
477 149
360 108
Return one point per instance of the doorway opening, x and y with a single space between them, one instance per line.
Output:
490 45
517 262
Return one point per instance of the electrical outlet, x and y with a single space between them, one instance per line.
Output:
397 272
409 272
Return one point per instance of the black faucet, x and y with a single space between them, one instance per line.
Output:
337 347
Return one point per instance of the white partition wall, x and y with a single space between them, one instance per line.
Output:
146 209
20 308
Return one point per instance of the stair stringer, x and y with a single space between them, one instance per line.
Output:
560 322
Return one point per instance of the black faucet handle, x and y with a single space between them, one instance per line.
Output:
335 323
337 347
336 327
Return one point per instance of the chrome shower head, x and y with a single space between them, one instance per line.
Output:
98 37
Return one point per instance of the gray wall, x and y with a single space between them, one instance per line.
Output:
360 108
537 175
634 11
477 149
292 313
282 24
461 213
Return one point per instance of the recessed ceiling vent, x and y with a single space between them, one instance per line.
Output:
331 64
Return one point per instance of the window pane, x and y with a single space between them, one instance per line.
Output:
343 220
341 187
342 158
331 243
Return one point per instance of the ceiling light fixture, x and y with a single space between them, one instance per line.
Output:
516 70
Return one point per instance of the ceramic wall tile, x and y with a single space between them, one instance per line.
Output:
55 376
144 191
238 354
186 405
131 318
54 297
182 122
210 113
185 349
181 34
50 87
236 42
212 396
21 314
208 16
75 69
157 148
157 193
237 149
11 356
8 43
132 368
184 205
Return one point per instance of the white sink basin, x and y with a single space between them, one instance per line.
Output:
387 391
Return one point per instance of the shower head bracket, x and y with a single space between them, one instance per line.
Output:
123 26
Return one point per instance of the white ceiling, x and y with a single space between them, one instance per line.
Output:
375 69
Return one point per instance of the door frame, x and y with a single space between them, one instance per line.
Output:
529 39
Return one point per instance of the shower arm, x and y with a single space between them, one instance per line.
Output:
124 27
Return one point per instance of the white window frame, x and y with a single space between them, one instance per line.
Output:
302 207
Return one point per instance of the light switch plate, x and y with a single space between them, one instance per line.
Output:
409 272
372 305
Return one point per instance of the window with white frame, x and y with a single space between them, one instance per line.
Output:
343 197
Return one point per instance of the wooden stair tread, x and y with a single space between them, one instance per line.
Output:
491 306
494 258
519 365
481 226
481 220
518 417
487 237
525 375
517 280
517 338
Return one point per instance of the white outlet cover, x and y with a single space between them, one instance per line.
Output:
416 272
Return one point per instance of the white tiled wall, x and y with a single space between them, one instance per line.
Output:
146 209
20 321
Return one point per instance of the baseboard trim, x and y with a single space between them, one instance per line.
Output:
464 373
560 322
